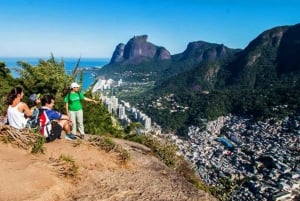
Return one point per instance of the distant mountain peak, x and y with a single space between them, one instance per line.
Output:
204 51
137 50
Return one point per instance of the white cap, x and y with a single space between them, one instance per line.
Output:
74 84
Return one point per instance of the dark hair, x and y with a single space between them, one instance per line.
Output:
13 94
66 91
31 103
47 99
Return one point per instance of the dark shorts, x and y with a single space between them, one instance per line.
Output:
55 132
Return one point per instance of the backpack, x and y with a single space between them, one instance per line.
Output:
49 129
33 122
69 100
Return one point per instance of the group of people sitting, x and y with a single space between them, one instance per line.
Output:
49 121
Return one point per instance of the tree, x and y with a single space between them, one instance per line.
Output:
48 77
6 84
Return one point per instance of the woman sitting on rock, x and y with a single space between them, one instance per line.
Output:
17 111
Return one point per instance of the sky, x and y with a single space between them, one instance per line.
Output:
93 28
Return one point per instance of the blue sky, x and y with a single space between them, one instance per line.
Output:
93 28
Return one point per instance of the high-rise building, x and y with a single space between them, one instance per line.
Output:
147 123
114 102
122 114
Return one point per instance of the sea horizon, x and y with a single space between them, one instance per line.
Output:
70 63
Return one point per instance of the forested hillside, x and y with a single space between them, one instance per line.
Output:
261 81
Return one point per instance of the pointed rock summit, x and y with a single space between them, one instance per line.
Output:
137 50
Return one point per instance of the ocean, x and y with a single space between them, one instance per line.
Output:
87 64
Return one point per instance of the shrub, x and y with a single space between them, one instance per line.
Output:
38 145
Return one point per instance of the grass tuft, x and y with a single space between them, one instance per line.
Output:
38 145
67 165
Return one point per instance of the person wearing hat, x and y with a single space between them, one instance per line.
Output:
74 108
34 101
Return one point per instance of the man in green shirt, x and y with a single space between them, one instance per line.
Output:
74 108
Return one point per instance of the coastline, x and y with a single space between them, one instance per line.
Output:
70 63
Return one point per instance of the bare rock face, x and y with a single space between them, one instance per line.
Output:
138 50
163 53
118 54
204 51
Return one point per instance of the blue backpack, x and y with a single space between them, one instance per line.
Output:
33 122
50 130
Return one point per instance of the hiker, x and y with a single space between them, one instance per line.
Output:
74 108
17 111
47 115
34 101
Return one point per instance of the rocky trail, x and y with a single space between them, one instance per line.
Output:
95 175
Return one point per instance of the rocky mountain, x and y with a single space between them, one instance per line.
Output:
289 48
255 81
204 51
137 50
273 53
140 56
270 55
267 58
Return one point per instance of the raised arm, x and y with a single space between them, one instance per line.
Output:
24 108
90 100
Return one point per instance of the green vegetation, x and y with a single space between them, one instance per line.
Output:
97 120
6 81
38 145
223 192
260 81
69 167
49 77
107 144
280 99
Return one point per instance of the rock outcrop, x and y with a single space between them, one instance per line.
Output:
137 50
97 175
204 51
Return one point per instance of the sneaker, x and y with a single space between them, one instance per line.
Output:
82 136
70 137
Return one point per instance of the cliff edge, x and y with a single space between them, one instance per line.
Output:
95 174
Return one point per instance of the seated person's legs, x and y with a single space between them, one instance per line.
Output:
65 125
56 130
64 122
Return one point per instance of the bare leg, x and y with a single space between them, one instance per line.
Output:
65 125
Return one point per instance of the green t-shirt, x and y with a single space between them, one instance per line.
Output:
74 100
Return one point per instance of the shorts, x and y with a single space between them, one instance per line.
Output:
55 132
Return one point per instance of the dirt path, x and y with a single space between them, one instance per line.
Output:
26 176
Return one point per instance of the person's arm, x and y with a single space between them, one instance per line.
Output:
55 115
90 100
66 100
65 117
24 108
67 109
